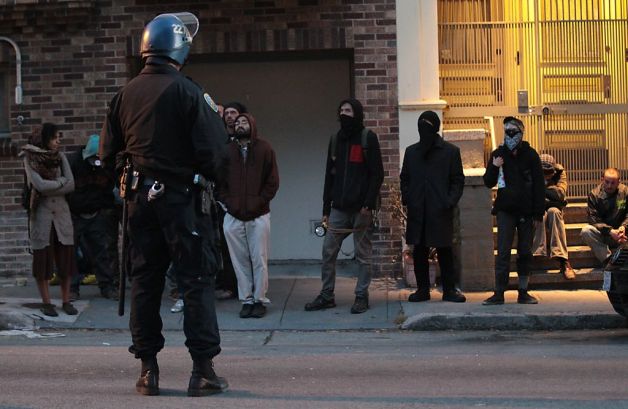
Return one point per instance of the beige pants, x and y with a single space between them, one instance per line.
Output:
599 244
248 243
552 221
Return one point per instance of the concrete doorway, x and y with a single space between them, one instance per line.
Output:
294 102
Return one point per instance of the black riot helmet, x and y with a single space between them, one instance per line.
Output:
169 36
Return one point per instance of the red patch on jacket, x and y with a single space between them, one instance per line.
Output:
355 154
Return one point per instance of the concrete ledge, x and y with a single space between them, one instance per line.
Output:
15 320
506 321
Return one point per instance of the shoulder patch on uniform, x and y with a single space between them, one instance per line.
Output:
210 102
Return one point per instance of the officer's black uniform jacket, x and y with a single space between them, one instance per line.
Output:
166 124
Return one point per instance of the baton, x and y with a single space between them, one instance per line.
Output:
122 283
124 190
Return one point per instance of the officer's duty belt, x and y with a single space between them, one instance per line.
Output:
149 181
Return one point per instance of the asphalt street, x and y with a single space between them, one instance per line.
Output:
328 369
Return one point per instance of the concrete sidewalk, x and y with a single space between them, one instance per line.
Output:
581 309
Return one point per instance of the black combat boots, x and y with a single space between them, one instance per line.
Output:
148 382
204 380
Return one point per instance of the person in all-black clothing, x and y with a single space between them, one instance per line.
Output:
170 131
353 176
515 167
95 218
432 181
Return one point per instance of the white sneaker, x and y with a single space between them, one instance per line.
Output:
177 307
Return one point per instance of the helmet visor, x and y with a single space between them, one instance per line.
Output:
189 20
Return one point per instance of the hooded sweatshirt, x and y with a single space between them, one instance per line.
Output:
251 182
352 181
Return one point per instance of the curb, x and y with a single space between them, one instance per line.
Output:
537 322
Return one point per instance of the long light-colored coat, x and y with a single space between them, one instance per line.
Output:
53 209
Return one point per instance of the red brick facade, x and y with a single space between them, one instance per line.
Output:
77 54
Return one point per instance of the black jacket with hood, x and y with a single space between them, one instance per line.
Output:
524 193
352 181
93 186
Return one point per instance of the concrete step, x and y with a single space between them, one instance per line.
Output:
579 257
586 278
572 230
575 212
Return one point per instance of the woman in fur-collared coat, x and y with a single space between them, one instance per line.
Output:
51 232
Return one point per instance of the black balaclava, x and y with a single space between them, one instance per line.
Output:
351 125
428 125
513 132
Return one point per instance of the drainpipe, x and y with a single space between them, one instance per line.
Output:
18 69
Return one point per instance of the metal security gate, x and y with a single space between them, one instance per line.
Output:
559 65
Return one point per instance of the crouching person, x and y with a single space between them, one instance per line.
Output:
607 215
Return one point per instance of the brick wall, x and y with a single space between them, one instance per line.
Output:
77 54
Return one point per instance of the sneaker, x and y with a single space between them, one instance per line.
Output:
69 309
495 299
419 296
109 293
246 310
525 298
320 303
360 305
566 270
54 280
177 307
89 279
221 295
49 310
258 310
454 296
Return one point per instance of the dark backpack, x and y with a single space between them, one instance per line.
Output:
364 143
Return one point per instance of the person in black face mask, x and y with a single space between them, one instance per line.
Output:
432 181
353 176
515 167
428 125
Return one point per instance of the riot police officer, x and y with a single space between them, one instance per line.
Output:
169 131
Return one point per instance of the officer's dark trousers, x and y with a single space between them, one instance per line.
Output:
171 228
507 224
445 262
